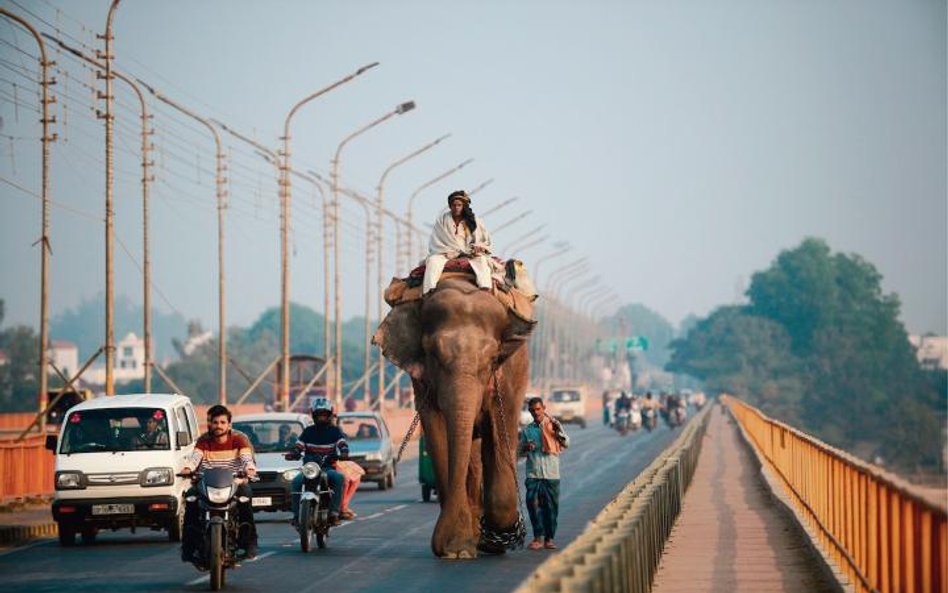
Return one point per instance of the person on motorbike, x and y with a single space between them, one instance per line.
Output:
624 403
220 447
324 443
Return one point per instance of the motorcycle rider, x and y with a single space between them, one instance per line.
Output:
623 405
324 443
220 447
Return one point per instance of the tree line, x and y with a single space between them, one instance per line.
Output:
820 346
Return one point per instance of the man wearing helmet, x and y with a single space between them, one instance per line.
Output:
458 233
324 443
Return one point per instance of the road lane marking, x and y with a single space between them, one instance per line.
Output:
207 577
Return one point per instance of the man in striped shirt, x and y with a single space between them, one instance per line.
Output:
221 447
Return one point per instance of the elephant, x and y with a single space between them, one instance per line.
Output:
465 352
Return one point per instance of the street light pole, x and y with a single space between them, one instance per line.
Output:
45 139
380 230
286 187
146 179
219 181
512 221
480 186
399 110
411 203
109 209
517 241
506 202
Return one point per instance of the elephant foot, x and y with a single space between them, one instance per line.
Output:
459 555
457 549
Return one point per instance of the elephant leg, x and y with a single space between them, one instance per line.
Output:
432 421
475 482
500 478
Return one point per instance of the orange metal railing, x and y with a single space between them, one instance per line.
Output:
26 468
880 532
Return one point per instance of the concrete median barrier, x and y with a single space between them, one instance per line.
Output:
621 548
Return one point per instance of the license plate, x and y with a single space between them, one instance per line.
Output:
113 509
261 501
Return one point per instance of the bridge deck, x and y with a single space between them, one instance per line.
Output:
731 536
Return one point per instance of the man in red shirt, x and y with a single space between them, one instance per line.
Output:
221 447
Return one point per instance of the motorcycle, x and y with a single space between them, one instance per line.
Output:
676 416
315 498
622 421
649 418
217 500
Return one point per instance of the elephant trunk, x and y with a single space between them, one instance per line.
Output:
455 534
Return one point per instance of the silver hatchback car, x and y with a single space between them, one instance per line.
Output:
370 445
272 435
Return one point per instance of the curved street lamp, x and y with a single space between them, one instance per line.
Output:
286 187
380 230
410 213
45 139
399 110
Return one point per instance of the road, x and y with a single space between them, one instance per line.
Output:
385 549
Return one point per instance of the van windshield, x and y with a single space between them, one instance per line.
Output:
115 429
565 396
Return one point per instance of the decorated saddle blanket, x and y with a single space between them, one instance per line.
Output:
399 334
512 285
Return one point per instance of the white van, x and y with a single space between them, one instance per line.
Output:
111 473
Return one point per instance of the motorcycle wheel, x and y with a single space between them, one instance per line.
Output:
321 538
305 527
215 556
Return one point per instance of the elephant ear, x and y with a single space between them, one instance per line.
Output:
516 335
399 337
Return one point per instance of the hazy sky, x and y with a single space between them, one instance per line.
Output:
680 145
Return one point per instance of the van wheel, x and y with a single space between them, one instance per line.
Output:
67 535
582 423
390 480
88 535
426 492
176 527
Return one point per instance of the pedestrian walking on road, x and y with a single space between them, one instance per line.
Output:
541 442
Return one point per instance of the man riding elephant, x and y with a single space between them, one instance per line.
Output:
458 233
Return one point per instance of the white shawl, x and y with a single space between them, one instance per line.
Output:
455 240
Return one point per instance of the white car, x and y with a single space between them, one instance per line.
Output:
272 491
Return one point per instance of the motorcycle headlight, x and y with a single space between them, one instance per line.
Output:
373 457
69 481
219 495
157 476
310 470
289 474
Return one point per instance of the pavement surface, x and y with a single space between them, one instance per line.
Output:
385 549
731 535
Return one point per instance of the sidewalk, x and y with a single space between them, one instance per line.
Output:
22 524
732 535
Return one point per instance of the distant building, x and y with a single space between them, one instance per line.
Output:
65 356
931 351
129 362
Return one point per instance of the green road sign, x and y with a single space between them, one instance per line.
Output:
636 344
